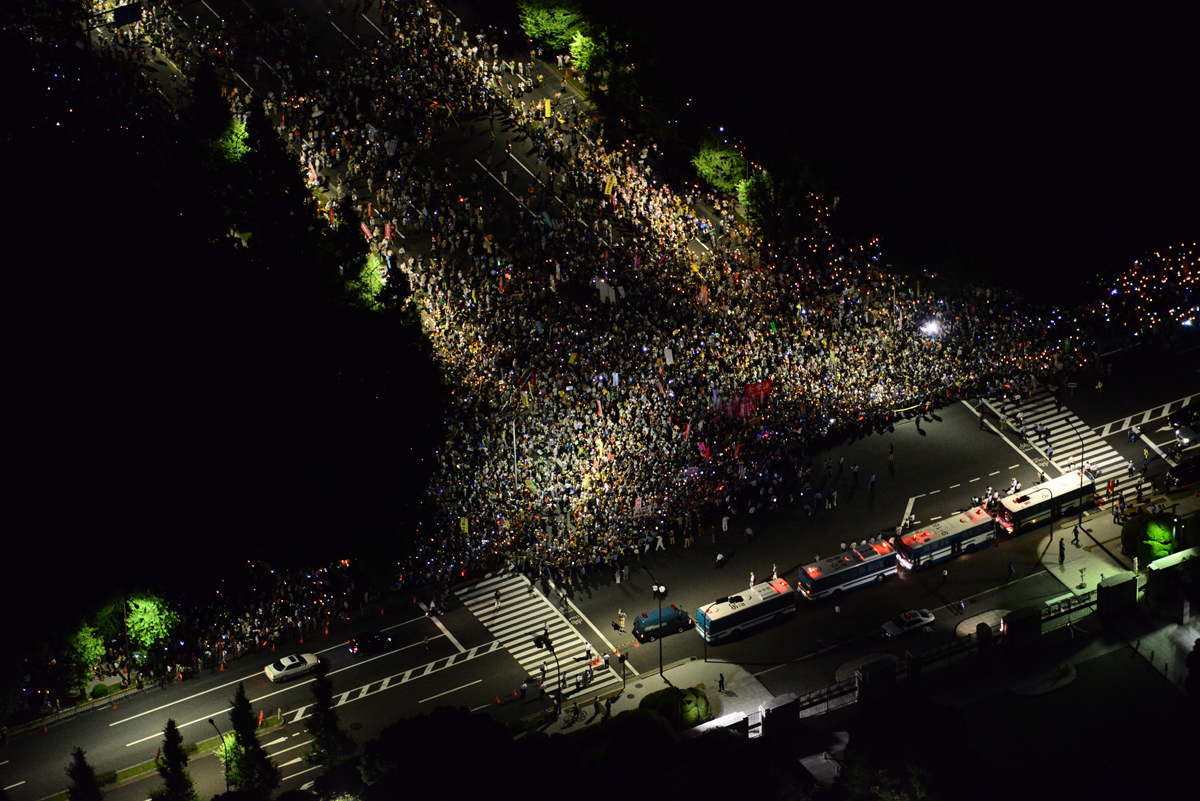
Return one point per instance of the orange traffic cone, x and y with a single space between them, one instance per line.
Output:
222 666
114 704
497 700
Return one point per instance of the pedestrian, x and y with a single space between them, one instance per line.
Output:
524 688
621 620
1062 551
725 524
658 543
606 658
721 683
871 483
837 610
835 499
596 706
543 679
587 651
1011 570
608 705
891 453
945 575
1049 451
774 571
844 545
497 597
751 578
1075 539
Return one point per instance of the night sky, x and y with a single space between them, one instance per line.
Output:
1029 144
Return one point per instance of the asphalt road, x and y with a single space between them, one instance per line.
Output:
457 660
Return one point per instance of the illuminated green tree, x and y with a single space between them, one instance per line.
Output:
720 165
554 22
83 652
250 769
1148 536
585 52
173 768
83 784
149 622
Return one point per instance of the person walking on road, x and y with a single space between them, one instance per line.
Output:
1011 570
721 683
1062 551
497 599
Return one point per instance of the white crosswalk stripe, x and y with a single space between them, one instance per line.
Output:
1067 441
1146 417
520 618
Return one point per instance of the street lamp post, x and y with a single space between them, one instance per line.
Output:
659 592
1079 433
225 761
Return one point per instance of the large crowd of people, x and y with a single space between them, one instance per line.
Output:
625 360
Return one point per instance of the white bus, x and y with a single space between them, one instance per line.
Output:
769 600
863 564
946 539
1042 503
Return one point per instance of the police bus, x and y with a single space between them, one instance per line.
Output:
862 564
769 600
1042 503
946 538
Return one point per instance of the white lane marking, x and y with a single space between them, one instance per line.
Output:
18 784
483 651
935 517
1013 466
301 773
456 689
599 633
934 492
993 473
445 631
955 486
373 25
210 8
291 762
243 80
343 33
257 672
972 481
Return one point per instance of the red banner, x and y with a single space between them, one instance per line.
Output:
366 230
757 391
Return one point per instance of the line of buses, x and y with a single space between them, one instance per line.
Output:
872 562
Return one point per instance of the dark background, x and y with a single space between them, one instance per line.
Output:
1036 145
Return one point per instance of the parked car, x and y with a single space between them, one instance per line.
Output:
1183 422
913 619
371 642
289 667
1184 474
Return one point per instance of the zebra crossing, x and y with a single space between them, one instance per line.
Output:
1067 442
523 615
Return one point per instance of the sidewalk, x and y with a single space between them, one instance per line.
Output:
1099 552
743 692
1163 642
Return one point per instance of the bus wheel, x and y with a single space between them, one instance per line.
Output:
879 579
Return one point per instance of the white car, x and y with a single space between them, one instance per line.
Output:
291 666
914 619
